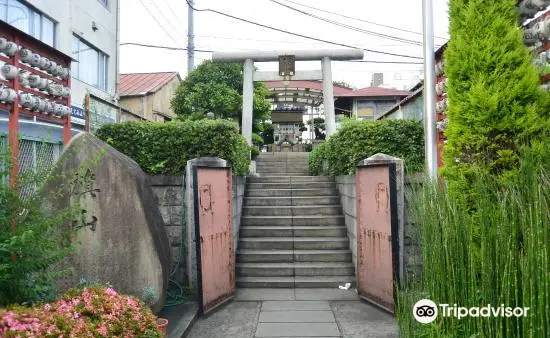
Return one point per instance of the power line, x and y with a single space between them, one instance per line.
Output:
162 47
293 42
353 28
158 22
212 51
300 35
174 15
361 20
164 16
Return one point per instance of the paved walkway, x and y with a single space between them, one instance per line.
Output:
328 313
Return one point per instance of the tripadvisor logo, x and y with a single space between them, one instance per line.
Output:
426 311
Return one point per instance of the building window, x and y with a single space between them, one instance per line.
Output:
27 19
91 65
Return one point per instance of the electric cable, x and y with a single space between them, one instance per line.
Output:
353 28
298 34
158 22
361 20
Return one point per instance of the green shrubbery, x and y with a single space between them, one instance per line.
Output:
32 239
496 108
357 140
165 148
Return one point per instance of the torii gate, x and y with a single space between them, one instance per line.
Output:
287 73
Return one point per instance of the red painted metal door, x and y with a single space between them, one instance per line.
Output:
377 234
215 249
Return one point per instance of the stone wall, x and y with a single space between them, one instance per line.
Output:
170 190
239 184
413 254
346 188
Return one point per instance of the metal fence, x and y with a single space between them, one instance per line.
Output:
34 157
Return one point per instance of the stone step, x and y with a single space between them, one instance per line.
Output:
289 201
323 281
289 243
265 282
295 269
291 192
289 256
251 256
284 174
333 220
296 231
294 282
289 179
298 210
297 185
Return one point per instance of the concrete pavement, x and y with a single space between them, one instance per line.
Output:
283 313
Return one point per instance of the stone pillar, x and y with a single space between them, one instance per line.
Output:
328 97
248 100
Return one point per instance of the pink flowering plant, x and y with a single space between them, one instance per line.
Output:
89 312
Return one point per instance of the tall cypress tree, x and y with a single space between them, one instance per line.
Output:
496 107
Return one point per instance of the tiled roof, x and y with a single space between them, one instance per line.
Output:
375 92
144 83
316 85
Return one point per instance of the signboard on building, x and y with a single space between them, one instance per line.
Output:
77 115
101 113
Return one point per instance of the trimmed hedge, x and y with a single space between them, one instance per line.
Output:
358 140
165 148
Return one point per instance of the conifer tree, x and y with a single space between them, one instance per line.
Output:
496 107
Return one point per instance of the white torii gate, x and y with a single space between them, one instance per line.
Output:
325 56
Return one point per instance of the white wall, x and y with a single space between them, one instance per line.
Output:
76 17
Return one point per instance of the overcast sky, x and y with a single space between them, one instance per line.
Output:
215 32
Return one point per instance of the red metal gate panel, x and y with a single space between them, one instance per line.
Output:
376 234
213 228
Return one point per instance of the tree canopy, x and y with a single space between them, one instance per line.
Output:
217 88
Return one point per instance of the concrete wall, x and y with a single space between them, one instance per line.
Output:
346 188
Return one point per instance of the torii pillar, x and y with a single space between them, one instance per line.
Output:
325 56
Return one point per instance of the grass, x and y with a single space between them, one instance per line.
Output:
495 251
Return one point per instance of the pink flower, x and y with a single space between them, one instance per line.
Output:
103 330
110 292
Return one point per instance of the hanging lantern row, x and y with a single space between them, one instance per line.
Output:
34 59
537 33
441 87
529 8
34 103
441 106
27 79
439 68
442 125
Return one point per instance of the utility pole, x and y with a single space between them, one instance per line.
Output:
429 91
190 36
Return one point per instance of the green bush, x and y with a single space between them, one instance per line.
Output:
496 107
165 148
32 240
358 140
254 152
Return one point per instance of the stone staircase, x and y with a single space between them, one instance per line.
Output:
292 230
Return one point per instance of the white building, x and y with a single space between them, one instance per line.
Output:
86 30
